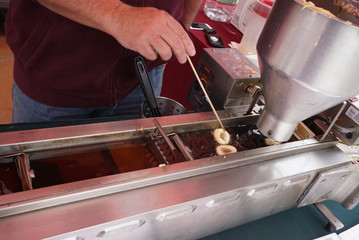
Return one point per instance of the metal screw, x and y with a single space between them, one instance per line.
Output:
101 234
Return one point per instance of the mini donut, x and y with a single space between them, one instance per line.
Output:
225 149
221 136
271 142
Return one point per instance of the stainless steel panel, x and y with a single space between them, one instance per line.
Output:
97 133
334 184
213 194
226 74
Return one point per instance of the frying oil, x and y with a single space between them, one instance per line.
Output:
79 166
119 158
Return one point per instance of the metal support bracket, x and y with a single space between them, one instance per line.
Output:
333 222
333 122
25 173
169 153
335 184
254 92
339 185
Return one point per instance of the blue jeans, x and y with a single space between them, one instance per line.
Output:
25 109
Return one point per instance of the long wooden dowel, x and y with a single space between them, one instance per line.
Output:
205 93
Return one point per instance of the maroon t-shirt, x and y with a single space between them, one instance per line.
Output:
62 63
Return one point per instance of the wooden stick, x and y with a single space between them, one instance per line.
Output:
205 93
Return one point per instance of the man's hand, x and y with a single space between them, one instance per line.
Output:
152 32
148 31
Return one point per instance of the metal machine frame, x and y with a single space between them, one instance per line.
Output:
185 200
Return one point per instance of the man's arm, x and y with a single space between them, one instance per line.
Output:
148 31
191 8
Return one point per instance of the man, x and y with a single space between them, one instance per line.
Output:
74 58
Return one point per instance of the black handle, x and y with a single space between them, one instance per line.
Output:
146 86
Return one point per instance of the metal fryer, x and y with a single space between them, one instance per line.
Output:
186 197
212 193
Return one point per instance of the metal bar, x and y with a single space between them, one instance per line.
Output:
333 122
108 132
333 220
23 166
177 156
183 148
153 149
163 134
257 93
122 182
10 155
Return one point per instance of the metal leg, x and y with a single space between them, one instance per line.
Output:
333 121
333 222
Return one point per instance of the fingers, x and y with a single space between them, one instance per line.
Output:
175 44
168 45
162 48
179 41
148 52
170 38
183 36
155 34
